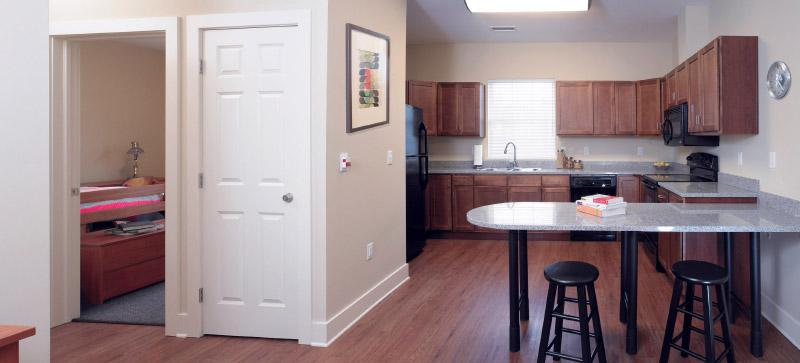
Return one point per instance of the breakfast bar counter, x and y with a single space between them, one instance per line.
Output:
518 218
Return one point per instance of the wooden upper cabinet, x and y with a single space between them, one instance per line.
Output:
604 108
664 98
681 84
671 95
460 108
648 107
422 94
574 109
694 99
625 108
709 89
628 188
447 108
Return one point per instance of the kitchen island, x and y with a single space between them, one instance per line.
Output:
518 218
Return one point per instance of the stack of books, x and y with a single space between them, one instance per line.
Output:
134 228
601 205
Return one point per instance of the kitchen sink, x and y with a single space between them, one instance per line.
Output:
512 169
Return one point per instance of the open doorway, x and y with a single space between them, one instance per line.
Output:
121 126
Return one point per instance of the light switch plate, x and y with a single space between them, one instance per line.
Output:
773 160
344 162
370 250
639 151
389 157
740 159
585 150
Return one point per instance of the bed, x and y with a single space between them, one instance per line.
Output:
113 265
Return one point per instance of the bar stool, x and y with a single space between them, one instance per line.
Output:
707 275
582 276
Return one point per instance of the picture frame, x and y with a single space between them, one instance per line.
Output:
367 74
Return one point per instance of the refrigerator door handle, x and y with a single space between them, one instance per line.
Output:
423 139
423 173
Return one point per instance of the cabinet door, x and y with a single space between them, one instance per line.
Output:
462 203
574 111
672 93
648 107
441 202
470 109
628 188
681 84
447 108
664 97
695 100
625 108
422 94
604 107
524 194
555 194
709 90
487 196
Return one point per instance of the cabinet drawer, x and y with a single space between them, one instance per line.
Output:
555 194
555 180
491 180
524 194
525 180
463 180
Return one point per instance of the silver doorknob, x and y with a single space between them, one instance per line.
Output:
288 197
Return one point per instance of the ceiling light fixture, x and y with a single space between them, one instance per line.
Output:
525 6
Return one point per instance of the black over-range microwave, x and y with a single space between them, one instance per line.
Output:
675 129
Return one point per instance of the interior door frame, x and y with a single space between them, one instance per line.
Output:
195 26
65 105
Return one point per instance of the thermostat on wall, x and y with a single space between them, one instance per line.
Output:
344 162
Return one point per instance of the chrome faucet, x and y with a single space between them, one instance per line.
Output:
513 163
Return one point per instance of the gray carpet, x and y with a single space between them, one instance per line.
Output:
144 306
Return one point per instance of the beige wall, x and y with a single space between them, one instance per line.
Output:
562 61
122 100
366 204
102 9
776 26
25 186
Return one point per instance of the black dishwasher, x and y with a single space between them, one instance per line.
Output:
583 185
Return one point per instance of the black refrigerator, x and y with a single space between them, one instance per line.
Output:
416 181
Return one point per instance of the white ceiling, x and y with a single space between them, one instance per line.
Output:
449 21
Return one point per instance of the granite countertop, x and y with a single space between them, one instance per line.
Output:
706 190
594 170
642 217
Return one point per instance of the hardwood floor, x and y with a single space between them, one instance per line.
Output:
453 309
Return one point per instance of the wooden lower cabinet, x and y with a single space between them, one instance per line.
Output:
487 196
440 200
628 188
555 194
463 202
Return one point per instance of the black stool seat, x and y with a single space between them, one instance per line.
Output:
700 272
571 273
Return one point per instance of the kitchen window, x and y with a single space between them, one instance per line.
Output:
523 112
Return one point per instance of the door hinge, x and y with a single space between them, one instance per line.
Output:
200 180
200 295
202 66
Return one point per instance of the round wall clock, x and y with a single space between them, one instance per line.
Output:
779 79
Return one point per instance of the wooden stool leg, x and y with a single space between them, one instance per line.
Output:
548 309
559 321
586 351
687 319
673 314
598 331
726 334
708 318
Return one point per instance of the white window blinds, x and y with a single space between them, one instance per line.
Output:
523 112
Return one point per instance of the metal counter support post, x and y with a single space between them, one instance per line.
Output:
756 338
523 275
632 255
623 272
728 238
513 291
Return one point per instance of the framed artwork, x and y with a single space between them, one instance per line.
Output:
367 78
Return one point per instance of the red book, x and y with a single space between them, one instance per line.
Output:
608 200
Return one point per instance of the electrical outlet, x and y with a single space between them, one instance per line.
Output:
389 157
370 250
585 150
740 159
639 151
773 160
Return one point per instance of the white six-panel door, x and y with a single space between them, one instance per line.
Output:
255 199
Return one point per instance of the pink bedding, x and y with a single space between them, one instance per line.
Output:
117 203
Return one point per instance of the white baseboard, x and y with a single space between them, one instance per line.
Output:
781 319
324 333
